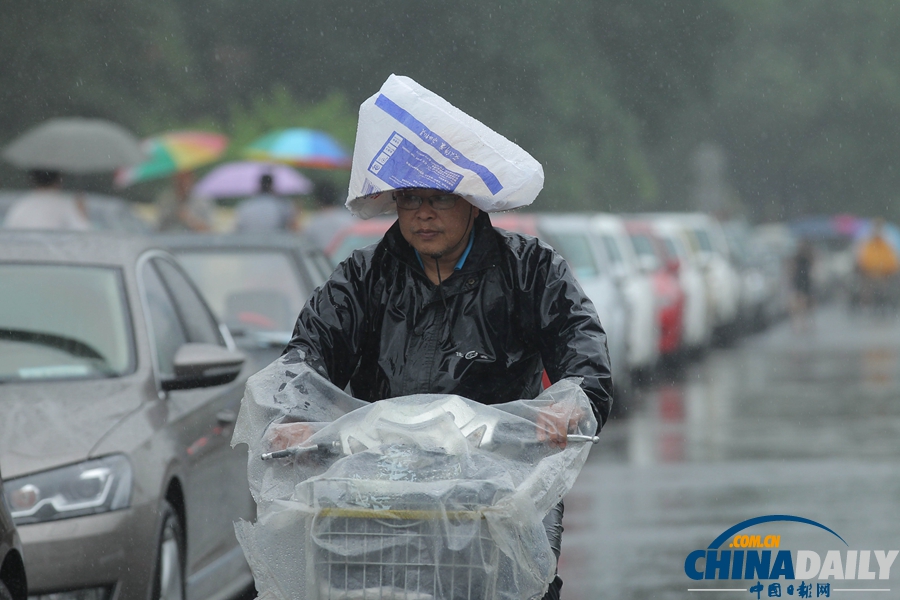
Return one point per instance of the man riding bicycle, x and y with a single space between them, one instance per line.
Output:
445 303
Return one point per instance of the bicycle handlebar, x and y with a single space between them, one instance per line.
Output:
336 447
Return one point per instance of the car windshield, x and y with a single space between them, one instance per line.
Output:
642 245
63 322
322 267
645 251
612 249
248 290
351 243
703 240
672 249
576 250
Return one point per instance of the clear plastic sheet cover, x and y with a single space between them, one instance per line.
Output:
419 497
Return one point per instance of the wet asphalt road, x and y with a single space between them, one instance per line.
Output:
785 422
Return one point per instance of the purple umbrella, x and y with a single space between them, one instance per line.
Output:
241 179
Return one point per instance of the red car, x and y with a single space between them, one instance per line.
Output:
654 258
513 221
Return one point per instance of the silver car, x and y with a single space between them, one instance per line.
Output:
571 236
118 394
255 283
105 213
13 582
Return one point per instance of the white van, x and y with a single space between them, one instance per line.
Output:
609 232
570 236
708 243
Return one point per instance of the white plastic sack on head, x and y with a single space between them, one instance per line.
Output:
409 137
421 497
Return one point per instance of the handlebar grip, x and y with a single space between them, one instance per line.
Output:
278 454
295 450
582 438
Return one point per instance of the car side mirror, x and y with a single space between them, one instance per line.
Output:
204 365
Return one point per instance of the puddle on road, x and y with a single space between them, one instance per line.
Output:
834 391
782 423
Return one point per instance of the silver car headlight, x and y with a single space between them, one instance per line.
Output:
94 486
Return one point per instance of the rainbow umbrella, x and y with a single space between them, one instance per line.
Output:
173 152
308 148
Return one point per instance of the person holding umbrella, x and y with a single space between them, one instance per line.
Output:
47 206
71 145
178 210
878 263
177 154
265 212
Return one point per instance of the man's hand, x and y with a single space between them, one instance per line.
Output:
286 435
555 422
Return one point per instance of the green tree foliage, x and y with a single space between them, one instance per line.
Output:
806 103
279 110
246 122
120 59
589 88
123 60
584 86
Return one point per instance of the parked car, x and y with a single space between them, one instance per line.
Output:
636 285
697 314
106 213
570 235
120 394
655 259
776 247
13 582
748 264
256 284
710 248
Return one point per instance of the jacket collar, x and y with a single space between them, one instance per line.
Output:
485 247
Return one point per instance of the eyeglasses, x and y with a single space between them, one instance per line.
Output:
412 202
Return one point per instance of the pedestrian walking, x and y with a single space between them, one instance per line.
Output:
802 292
178 210
46 206
878 265
265 212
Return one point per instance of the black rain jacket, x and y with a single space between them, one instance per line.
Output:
487 333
